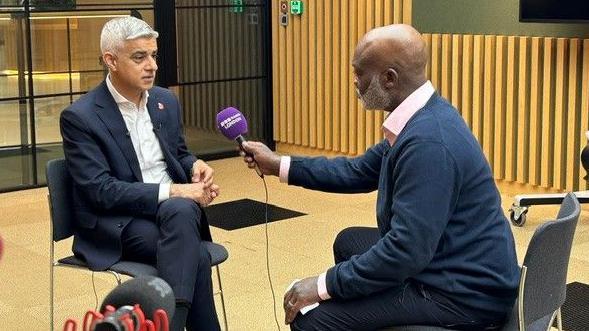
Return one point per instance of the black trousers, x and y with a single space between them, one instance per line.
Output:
409 304
172 243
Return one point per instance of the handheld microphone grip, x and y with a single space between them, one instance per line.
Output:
240 140
233 125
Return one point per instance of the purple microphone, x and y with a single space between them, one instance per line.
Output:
233 125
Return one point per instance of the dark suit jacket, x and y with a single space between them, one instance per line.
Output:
108 187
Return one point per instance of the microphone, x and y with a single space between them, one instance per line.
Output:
151 293
140 304
233 125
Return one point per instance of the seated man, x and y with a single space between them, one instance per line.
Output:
443 253
138 190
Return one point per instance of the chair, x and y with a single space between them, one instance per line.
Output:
542 285
60 184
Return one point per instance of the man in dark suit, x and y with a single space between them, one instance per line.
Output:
138 190
443 253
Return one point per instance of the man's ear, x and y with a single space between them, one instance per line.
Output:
391 78
110 61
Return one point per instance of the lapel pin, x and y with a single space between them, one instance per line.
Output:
160 106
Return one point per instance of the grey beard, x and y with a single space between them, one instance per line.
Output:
375 96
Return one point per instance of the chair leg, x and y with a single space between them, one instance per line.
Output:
554 316
51 298
559 319
222 297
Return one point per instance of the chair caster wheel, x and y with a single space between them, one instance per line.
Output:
517 215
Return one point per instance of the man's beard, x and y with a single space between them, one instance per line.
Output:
375 96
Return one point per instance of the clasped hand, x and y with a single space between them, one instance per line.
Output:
202 189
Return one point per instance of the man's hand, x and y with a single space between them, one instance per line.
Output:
301 294
202 173
195 191
267 161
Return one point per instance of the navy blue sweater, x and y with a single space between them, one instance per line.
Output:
438 212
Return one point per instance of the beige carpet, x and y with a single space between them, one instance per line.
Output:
298 248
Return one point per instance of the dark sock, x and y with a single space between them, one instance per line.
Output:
180 314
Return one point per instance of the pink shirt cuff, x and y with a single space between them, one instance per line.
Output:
284 169
322 287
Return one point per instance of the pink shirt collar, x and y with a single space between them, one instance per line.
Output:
399 117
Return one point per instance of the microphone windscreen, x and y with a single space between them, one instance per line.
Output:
231 123
151 293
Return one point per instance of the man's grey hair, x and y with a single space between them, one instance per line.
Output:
116 31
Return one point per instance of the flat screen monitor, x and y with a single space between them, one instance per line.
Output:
557 11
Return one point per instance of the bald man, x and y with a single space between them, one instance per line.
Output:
443 253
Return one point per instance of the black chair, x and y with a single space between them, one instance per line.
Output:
59 183
542 285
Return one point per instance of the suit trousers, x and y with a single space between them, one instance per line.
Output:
172 243
410 303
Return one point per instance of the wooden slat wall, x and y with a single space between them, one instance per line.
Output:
526 99
315 103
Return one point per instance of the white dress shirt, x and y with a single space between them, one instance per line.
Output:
147 147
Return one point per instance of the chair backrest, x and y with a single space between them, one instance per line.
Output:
59 183
543 286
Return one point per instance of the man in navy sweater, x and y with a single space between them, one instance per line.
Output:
443 253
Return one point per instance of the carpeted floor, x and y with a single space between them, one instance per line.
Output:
299 247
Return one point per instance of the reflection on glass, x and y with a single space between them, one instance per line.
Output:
16 166
13 64
14 116
50 56
11 4
126 3
47 111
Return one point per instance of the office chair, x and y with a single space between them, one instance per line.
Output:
542 284
522 202
60 186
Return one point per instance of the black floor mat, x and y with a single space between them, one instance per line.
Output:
245 212
575 311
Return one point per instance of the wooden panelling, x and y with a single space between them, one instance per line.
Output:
536 86
522 111
547 141
524 98
477 87
510 118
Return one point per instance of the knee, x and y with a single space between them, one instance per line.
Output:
204 258
179 207
303 323
344 237
341 243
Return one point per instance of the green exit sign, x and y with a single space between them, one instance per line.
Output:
237 6
296 7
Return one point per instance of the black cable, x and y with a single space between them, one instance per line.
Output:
268 256
95 294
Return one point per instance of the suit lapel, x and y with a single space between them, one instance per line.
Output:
157 113
109 113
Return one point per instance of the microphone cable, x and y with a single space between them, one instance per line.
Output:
268 255
95 294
